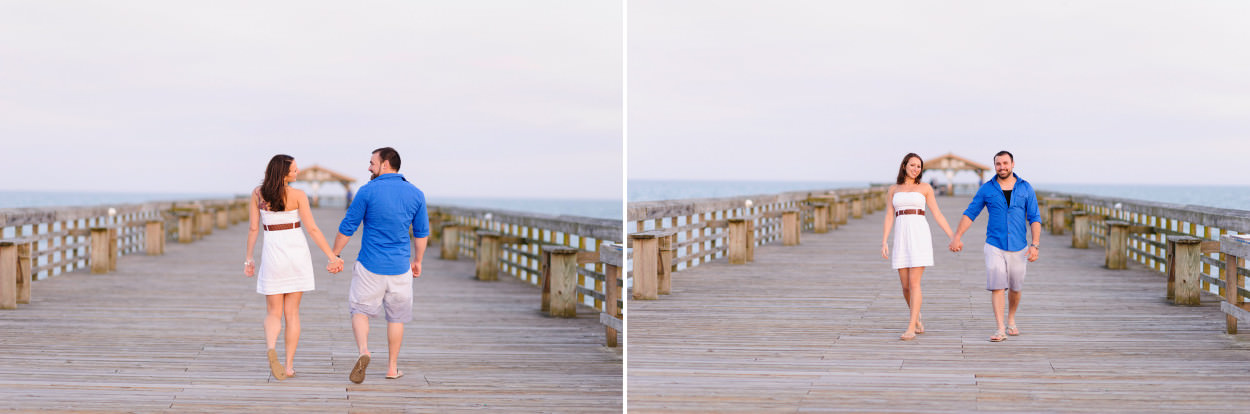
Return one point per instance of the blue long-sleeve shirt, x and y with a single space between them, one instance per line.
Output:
388 205
1008 225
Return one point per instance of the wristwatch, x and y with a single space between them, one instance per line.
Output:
1036 245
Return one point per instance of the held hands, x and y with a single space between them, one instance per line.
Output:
335 265
249 268
956 245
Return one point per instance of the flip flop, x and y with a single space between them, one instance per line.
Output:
999 336
276 367
904 337
919 327
401 374
1011 330
358 371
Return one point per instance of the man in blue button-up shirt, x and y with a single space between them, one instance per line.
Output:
1012 205
389 206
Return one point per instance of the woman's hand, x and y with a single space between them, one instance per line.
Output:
249 268
885 250
335 265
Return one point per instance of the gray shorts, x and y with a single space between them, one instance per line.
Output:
1004 269
370 293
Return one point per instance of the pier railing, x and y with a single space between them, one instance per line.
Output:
37 243
570 258
671 235
1193 245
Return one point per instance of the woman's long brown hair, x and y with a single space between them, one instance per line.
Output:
273 189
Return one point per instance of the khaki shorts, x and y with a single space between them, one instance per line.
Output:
371 293
1004 269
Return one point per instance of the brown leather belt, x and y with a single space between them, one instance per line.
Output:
287 226
909 211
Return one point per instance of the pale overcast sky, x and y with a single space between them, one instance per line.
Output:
1080 91
481 98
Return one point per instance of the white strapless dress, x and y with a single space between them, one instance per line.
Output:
913 244
285 262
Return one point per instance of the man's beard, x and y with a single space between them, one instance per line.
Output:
1004 175
372 176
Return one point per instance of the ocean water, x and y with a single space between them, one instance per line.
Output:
609 209
1224 196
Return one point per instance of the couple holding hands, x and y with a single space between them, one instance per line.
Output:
1012 206
382 276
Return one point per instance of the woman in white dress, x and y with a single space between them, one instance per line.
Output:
913 245
286 270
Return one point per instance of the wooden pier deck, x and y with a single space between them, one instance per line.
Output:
815 327
182 332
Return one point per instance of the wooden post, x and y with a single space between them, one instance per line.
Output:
1235 251
790 228
223 218
646 266
450 249
1117 244
1184 269
562 276
822 217
186 227
857 207
611 256
664 269
206 222
1080 230
113 232
1232 292
738 240
24 272
8 275
100 249
833 212
154 237
751 239
1058 219
487 255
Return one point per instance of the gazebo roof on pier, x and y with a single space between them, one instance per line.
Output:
950 161
319 173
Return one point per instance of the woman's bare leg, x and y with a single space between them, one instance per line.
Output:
916 298
291 306
273 320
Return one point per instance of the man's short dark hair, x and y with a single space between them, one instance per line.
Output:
1000 153
388 154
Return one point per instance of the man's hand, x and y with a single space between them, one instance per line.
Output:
335 265
416 269
1033 252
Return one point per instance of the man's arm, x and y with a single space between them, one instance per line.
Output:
418 254
957 243
340 241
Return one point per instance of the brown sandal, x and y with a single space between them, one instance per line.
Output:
276 367
358 371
